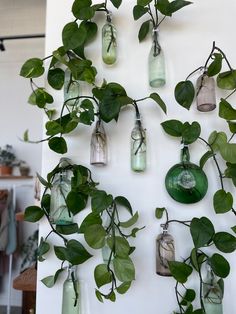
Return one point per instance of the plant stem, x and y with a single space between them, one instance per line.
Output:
48 57
230 94
185 222
209 57
199 68
232 136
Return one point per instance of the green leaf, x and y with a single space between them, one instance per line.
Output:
124 269
177 5
234 229
101 201
43 248
32 68
191 132
82 9
173 127
95 236
56 78
76 202
226 111
45 202
130 222
91 30
72 36
76 253
67 229
159 212
225 242
216 65
91 219
228 152
159 101
143 2
51 280
205 158
122 201
59 55
164 7
202 231
61 253
116 3
43 181
189 297
144 30
40 98
99 295
197 258
223 201
232 126
139 11
221 285
227 80
58 145
219 265
53 128
135 230
184 93
120 245
33 213
26 136
217 139
180 271
102 275
124 287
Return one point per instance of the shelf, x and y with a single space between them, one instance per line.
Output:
15 177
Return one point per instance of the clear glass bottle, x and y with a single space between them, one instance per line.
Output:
206 95
71 303
138 146
98 146
165 252
186 182
212 294
109 43
61 186
71 89
156 63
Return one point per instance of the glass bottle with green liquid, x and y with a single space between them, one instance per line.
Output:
109 43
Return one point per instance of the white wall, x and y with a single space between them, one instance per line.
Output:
186 40
17 18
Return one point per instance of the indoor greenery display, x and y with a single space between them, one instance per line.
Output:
119 270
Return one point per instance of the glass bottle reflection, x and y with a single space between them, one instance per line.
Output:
71 89
109 44
98 146
165 252
156 63
71 300
212 294
138 147
206 96
186 182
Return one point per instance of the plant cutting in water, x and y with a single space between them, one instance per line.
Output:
119 270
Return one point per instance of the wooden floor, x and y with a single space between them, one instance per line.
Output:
14 310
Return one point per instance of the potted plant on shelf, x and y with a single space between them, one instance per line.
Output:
7 160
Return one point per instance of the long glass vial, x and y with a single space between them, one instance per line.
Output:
165 252
206 95
109 43
156 63
138 146
98 145
71 89
212 294
71 300
59 213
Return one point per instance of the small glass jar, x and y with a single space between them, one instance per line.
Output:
206 96
156 63
212 294
109 44
165 252
71 300
61 186
98 145
71 89
138 147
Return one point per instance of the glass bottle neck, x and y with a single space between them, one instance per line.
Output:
109 17
72 273
185 156
155 43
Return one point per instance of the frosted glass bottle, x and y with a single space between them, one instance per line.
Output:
70 303
98 145
156 63
206 95
138 147
212 294
165 252
59 213
71 89
109 44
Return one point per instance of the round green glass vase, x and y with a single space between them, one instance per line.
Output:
186 182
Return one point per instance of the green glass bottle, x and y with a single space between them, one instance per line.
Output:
71 300
186 182
71 89
156 63
109 44
138 146
212 294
